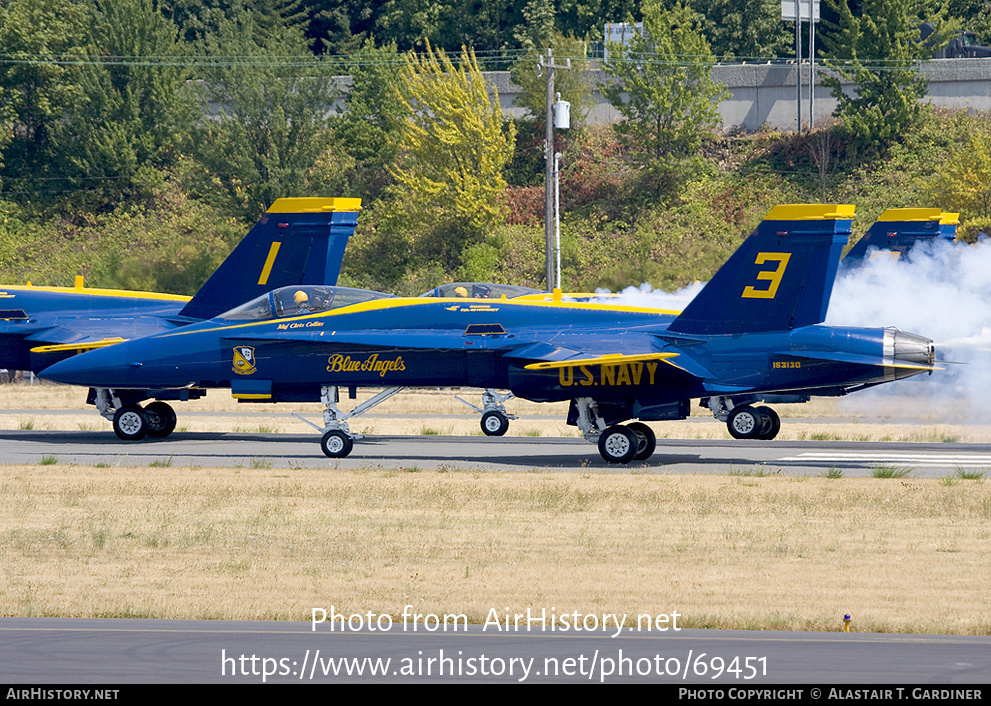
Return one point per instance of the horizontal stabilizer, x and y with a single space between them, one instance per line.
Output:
77 347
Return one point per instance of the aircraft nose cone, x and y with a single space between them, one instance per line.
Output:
104 367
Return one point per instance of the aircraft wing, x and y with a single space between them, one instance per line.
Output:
85 332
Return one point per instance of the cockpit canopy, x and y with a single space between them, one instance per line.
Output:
300 300
480 290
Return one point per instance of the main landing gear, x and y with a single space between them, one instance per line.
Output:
618 443
132 421
338 440
745 421
495 418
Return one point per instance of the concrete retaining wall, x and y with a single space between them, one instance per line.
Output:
766 94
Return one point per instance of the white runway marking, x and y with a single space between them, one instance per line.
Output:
921 459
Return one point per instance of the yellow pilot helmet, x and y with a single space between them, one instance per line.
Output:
300 297
461 291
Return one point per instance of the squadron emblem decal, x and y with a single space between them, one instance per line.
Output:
244 360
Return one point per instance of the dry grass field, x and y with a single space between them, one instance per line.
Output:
906 555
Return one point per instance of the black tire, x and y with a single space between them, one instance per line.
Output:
771 423
744 422
336 444
618 444
494 423
647 441
130 423
161 419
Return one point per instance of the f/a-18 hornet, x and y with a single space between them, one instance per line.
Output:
754 330
296 241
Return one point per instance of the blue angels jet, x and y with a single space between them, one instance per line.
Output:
755 329
892 235
296 241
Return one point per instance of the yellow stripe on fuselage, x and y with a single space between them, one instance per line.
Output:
608 359
398 302
124 293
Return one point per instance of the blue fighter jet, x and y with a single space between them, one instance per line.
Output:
296 241
755 329
892 235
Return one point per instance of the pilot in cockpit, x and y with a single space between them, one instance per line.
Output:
302 301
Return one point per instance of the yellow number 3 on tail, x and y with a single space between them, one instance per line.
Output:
773 276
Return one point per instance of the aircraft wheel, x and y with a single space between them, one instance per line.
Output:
161 419
647 442
744 422
336 444
771 423
618 444
130 423
494 423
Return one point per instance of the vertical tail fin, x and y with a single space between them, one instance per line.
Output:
779 278
899 229
296 241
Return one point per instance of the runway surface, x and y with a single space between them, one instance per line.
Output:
81 651
920 460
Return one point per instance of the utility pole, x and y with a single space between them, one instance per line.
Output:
812 62
548 66
798 60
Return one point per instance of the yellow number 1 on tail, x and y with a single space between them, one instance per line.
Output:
774 277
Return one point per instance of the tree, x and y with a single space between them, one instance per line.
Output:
963 182
133 110
663 89
374 109
745 29
879 52
37 85
453 146
586 18
274 100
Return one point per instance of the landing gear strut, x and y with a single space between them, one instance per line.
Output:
338 440
617 444
745 421
131 421
495 418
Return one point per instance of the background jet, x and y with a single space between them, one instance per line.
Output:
898 230
296 241
754 329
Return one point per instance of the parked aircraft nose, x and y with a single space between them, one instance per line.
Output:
103 367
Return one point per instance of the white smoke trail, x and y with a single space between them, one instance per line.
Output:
646 296
942 291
